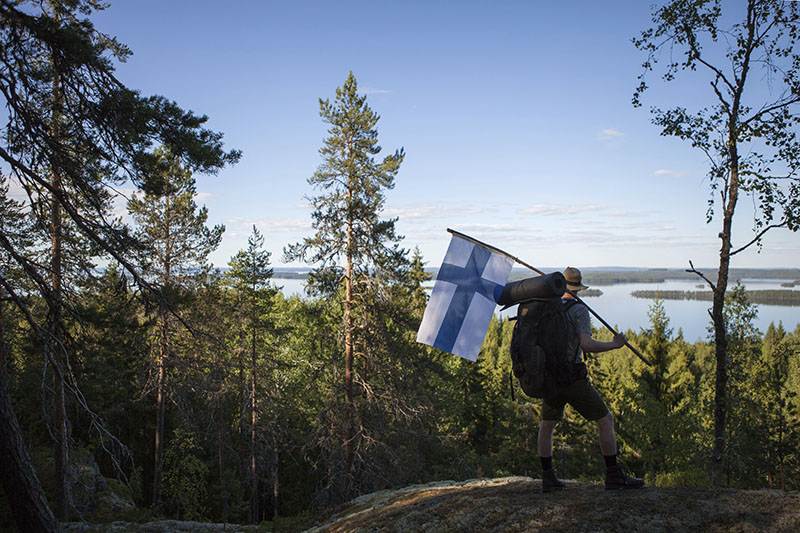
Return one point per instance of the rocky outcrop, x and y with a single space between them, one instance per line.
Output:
161 526
516 504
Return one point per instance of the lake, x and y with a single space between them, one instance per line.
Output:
620 309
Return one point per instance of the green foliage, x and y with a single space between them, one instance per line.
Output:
185 484
171 226
346 217
750 135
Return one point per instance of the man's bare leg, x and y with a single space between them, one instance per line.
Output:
608 439
546 438
545 443
615 477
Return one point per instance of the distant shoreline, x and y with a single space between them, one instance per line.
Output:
612 276
615 276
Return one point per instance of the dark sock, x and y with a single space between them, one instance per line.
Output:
611 460
547 463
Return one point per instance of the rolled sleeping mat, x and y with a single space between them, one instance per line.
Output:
548 286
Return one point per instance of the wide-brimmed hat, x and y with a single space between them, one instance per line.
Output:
574 279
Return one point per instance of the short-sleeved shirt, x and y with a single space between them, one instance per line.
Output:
578 315
580 394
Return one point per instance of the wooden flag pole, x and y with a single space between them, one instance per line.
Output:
526 265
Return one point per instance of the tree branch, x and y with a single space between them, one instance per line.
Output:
695 271
758 237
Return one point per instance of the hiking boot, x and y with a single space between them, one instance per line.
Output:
616 479
550 482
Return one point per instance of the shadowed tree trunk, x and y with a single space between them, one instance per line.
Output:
23 490
55 320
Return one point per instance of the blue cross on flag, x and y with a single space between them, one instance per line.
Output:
463 299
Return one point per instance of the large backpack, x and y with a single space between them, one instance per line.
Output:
539 345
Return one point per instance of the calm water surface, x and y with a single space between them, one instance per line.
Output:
623 311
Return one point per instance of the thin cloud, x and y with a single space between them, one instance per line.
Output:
202 197
493 228
609 134
422 212
667 237
238 227
632 214
668 172
560 209
371 90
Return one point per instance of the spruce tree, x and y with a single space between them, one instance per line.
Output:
250 276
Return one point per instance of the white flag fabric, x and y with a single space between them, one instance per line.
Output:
463 299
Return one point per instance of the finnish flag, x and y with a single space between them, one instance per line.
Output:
463 299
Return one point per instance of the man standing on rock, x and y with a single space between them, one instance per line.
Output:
583 397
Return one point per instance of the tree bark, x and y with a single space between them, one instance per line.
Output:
4 353
349 442
160 403
163 354
23 490
253 417
276 470
720 385
55 325
220 462
720 333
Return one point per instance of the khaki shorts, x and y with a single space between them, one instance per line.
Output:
582 396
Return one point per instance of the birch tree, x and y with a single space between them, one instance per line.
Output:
747 129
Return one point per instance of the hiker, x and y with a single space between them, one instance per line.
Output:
583 397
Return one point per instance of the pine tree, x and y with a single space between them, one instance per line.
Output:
744 346
73 131
179 242
354 251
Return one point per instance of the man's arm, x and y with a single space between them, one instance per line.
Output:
590 345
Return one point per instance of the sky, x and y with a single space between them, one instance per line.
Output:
515 117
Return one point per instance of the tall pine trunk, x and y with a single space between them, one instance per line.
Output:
163 349
254 518
163 354
55 324
276 470
220 462
349 443
4 353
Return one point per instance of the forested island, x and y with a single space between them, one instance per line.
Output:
767 297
